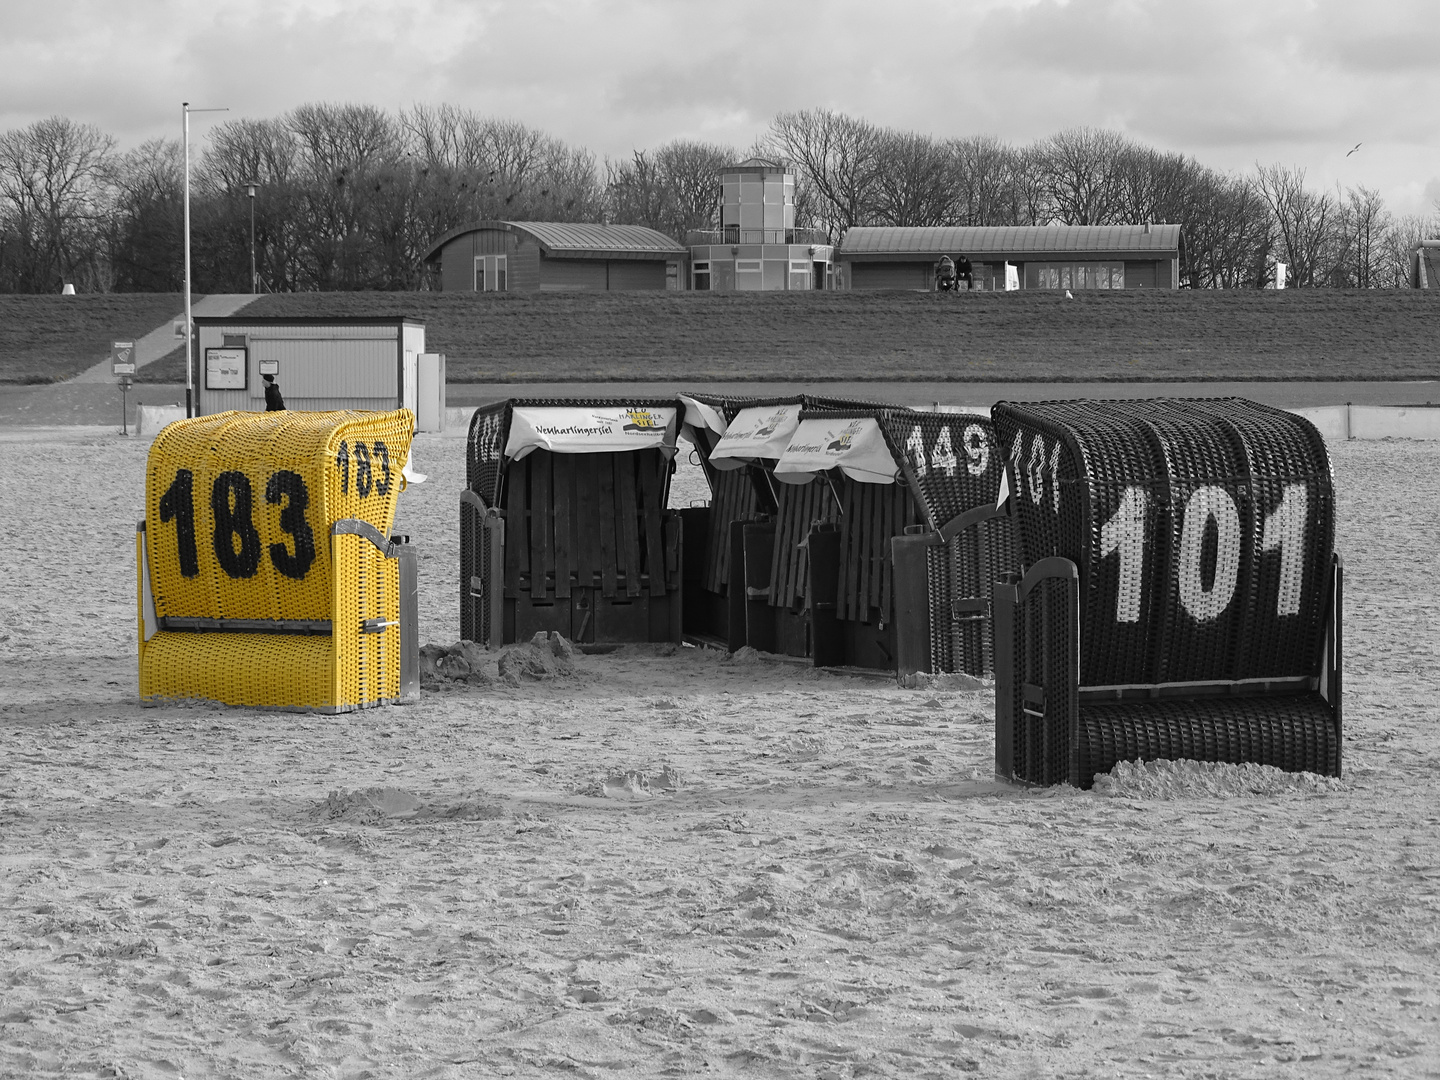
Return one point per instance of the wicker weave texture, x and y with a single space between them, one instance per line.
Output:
239 510
1202 530
951 461
1295 733
260 492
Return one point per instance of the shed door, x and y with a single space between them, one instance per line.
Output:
1139 275
409 393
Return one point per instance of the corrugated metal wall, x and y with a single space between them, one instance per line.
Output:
636 274
457 265
319 366
1141 274
598 275
525 265
568 275
888 275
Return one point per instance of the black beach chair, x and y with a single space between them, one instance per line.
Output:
1180 595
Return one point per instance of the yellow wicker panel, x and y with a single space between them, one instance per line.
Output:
367 668
274 670
239 508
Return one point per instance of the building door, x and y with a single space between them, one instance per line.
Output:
491 273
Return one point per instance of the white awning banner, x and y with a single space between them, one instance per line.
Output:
856 446
579 430
762 431
701 417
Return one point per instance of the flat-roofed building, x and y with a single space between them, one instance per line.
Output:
1014 256
757 246
549 256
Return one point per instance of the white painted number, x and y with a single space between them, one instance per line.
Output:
943 456
915 451
1208 504
1285 529
977 449
1125 533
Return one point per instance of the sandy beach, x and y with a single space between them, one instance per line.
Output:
670 862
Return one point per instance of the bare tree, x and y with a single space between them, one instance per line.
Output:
691 174
1229 239
982 175
1305 223
1368 224
269 152
915 186
1398 248
145 238
1082 169
55 195
637 193
840 159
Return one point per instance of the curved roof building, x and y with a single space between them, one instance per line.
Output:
553 256
1042 256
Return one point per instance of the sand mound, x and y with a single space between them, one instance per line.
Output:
636 784
922 680
542 657
463 662
1206 779
380 805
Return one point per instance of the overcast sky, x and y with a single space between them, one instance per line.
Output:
1231 82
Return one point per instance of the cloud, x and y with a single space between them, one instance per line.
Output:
1229 81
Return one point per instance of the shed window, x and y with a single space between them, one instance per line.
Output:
491 273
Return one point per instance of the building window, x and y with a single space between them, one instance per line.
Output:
702 277
491 273
749 274
799 275
1098 275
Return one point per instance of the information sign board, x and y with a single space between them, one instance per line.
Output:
225 369
122 358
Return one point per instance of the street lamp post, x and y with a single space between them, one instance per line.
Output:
250 189
185 112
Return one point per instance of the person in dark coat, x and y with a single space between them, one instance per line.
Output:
273 401
965 272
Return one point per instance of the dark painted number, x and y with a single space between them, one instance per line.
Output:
178 503
342 462
236 540
231 501
362 470
382 487
288 488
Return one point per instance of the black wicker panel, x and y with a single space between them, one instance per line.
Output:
1292 732
484 447
1202 530
951 460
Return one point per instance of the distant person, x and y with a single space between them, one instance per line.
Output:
945 278
964 271
273 401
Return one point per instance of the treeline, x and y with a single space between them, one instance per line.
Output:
351 197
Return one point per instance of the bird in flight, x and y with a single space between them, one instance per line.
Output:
1353 149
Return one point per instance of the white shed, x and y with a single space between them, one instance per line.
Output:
319 363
